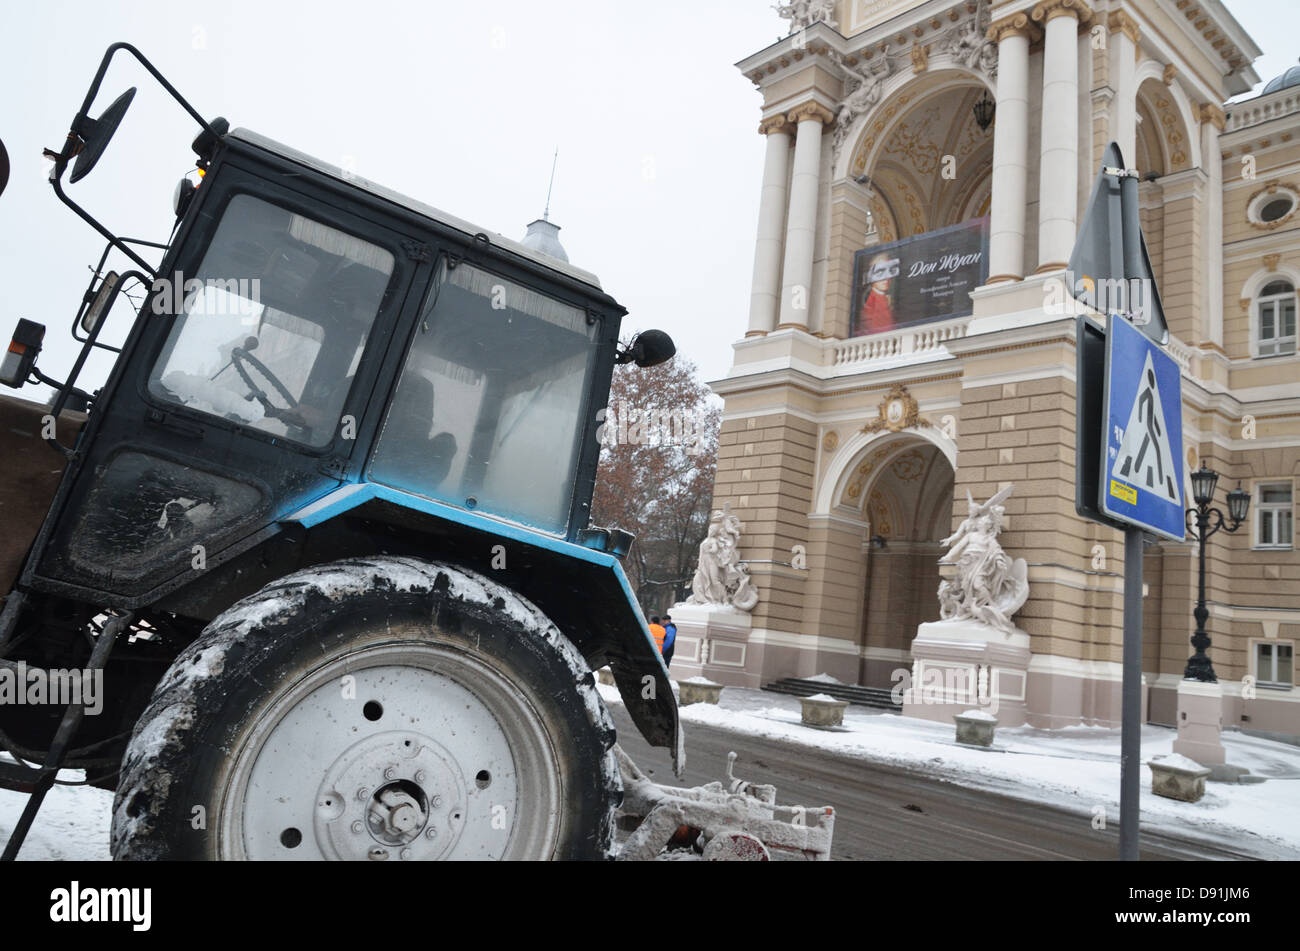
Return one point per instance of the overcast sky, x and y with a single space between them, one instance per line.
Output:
458 104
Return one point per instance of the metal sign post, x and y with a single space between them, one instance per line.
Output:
1129 460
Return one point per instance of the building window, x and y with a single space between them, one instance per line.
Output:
1273 515
1275 320
1276 208
1273 665
1272 206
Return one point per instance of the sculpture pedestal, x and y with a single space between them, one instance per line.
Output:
713 642
1200 718
960 665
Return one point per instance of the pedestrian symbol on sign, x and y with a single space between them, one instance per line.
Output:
1142 472
1145 458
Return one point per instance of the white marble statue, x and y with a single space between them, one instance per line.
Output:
989 586
720 577
804 13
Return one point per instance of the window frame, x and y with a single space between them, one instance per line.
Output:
336 215
1257 320
1257 493
1266 196
1256 667
586 448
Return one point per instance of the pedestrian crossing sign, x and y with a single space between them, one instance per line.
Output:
1142 466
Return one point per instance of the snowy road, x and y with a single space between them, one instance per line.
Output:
884 812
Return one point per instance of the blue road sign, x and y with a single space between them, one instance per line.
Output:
1142 466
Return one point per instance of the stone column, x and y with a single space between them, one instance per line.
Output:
1123 70
1212 119
1058 182
801 222
1010 150
763 299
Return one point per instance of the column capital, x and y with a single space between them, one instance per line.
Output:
1051 9
1018 24
777 123
1121 22
811 110
1209 112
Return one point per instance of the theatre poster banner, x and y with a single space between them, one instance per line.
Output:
919 280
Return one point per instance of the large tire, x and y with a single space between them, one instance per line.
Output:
373 708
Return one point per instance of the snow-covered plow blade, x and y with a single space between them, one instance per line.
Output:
735 821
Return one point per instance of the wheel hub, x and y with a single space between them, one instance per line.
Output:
391 791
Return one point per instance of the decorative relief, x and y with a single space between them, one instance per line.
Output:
865 468
1051 9
909 466
913 145
1256 202
1018 24
920 58
1209 112
810 110
898 411
830 441
1171 123
965 41
864 91
774 124
1121 22
890 110
878 515
1270 261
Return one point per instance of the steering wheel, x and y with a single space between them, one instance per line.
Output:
238 357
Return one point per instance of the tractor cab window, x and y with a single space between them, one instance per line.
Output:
488 412
271 330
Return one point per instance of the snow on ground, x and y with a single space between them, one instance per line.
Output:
72 824
1075 768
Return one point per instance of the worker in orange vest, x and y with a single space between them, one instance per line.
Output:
658 632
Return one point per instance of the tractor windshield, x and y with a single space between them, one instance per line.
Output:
488 412
272 328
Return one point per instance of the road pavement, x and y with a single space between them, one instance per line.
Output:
884 812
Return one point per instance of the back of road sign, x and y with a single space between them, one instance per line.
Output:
1142 466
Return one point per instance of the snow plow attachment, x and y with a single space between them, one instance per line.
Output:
735 821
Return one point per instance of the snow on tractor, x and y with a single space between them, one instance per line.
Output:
323 538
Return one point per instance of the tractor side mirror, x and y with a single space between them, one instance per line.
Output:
95 134
19 359
103 301
649 348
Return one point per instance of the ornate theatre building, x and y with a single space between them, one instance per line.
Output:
927 166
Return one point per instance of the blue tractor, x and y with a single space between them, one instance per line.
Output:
312 575
323 535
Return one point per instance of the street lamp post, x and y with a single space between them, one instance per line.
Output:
1202 522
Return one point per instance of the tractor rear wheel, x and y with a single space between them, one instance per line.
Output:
380 709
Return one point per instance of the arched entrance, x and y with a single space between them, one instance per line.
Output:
900 488
916 162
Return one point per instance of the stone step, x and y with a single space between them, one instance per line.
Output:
876 697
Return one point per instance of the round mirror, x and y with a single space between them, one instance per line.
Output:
99 133
4 168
